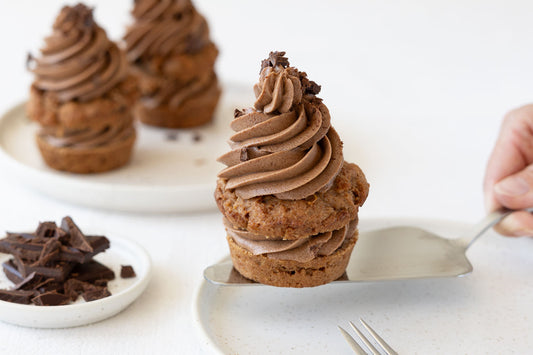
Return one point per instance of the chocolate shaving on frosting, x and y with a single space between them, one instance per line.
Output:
237 113
274 59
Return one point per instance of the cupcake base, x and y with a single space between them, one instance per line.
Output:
86 161
287 273
293 219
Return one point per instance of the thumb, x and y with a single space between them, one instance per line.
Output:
516 191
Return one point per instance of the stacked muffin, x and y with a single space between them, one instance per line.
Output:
173 57
290 201
82 95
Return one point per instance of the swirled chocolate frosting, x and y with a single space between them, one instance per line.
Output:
78 61
283 146
301 250
89 137
164 27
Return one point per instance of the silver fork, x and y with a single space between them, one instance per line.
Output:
358 349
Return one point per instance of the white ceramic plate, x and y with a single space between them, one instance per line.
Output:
123 292
170 171
432 316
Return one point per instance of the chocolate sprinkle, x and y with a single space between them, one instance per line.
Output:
237 113
244 154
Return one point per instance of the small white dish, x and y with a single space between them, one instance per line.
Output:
170 171
426 315
123 292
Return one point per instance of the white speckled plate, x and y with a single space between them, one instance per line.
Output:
433 316
170 171
123 292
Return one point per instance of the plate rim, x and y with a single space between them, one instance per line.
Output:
72 179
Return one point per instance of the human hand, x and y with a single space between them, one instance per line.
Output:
509 174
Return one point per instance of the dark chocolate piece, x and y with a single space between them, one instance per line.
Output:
102 283
49 285
17 296
31 249
29 282
95 294
126 272
89 292
98 243
73 288
49 253
12 273
58 271
92 271
46 230
52 298
77 238
21 245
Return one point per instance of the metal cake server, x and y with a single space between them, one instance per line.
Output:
393 254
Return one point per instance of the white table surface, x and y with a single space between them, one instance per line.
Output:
416 89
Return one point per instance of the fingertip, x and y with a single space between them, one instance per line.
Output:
517 224
515 191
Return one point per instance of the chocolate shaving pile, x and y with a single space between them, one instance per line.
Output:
54 265
274 59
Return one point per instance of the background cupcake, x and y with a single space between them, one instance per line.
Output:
173 57
82 95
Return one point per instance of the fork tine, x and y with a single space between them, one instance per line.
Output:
384 345
356 347
365 340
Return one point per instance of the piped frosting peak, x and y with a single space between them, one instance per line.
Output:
77 60
284 145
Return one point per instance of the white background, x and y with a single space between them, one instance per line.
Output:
417 91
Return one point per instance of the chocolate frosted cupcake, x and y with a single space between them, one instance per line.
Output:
173 57
290 201
82 96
